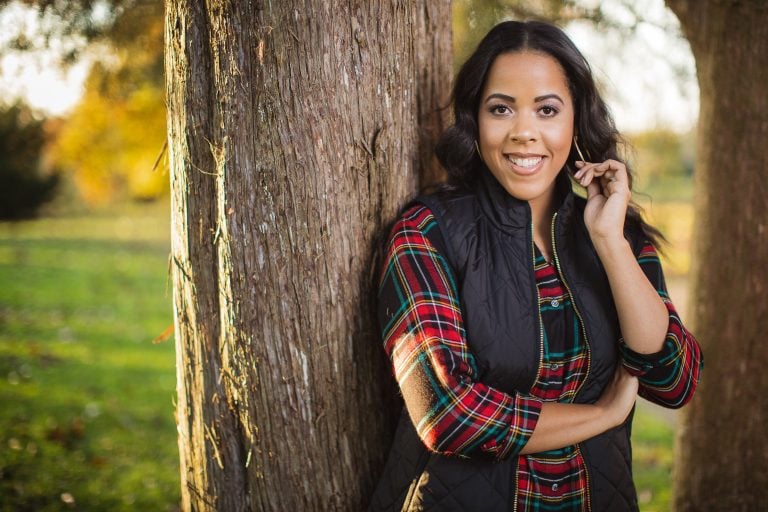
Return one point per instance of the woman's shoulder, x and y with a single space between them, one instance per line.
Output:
444 199
417 228
416 216
430 218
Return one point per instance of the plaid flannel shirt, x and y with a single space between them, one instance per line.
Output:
455 413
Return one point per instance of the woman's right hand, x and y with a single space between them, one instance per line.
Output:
619 396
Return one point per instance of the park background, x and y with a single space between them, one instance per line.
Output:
87 364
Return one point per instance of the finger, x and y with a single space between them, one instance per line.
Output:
608 182
616 169
612 176
586 178
583 167
586 175
589 171
593 189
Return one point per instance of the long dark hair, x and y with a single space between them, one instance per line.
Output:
597 135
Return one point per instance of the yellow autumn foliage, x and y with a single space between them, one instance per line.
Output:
110 142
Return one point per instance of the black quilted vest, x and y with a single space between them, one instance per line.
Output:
489 244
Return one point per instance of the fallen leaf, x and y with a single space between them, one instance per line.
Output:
167 333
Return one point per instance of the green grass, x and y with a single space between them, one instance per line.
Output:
86 398
652 454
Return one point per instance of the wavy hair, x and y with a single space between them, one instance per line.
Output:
593 124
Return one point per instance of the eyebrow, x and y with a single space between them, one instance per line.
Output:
537 99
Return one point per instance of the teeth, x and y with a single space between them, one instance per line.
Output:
525 162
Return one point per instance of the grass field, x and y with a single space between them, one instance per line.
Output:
86 398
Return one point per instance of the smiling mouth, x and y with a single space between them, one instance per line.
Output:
525 162
525 165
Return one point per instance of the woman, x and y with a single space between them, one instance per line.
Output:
522 319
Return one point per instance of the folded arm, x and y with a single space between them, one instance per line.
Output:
454 413
670 372
424 337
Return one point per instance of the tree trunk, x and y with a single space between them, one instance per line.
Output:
296 132
723 447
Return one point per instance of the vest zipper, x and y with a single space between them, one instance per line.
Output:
541 348
586 340
573 301
538 309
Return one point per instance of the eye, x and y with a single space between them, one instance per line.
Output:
548 110
499 109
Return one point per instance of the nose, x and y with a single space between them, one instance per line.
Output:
523 130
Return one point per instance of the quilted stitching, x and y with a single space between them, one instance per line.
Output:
612 485
458 485
445 488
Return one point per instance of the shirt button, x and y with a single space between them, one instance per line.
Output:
555 303
555 367
555 487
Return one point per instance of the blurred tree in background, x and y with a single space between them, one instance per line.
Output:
664 153
98 143
665 163
24 184
111 142
723 447
472 19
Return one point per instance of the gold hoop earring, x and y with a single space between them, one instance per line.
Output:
477 148
578 149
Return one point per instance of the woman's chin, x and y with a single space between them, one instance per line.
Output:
528 187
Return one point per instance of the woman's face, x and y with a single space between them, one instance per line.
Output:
525 123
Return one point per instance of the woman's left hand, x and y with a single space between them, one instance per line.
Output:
608 195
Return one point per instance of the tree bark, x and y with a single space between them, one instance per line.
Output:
297 130
723 447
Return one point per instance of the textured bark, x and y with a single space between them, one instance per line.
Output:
723 447
296 132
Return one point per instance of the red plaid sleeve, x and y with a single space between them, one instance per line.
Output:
422 328
670 376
